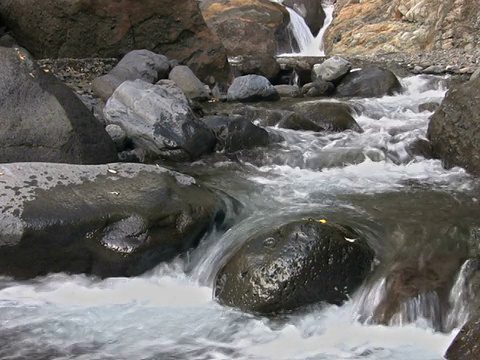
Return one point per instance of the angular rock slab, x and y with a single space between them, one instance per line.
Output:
107 220
43 120
158 119
298 263
466 345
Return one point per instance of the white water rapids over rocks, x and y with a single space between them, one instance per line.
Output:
169 313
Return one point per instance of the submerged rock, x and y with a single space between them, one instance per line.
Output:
105 220
295 264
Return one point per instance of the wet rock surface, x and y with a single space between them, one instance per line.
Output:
105 220
295 264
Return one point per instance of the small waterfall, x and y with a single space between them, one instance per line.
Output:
308 44
425 308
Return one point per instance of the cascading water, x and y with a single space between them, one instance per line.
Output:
309 45
370 180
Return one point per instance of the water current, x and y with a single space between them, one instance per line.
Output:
372 180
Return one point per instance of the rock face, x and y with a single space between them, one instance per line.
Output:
43 120
295 264
158 119
382 26
466 345
107 28
105 220
453 128
246 27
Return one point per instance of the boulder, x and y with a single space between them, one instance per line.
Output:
370 81
289 91
453 128
190 84
118 135
236 133
108 28
158 119
332 69
43 120
105 220
295 264
466 345
331 116
246 27
137 64
250 88
311 11
259 64
318 88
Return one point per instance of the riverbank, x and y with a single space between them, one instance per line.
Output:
78 74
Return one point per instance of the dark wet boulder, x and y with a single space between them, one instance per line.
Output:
298 263
109 28
332 116
136 65
236 133
370 81
159 120
318 88
106 220
43 120
453 128
251 88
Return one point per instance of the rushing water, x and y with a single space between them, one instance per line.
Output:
308 44
370 180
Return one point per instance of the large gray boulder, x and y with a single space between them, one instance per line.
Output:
453 128
249 88
295 264
331 69
370 81
137 64
158 119
43 120
107 220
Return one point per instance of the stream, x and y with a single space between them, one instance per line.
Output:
407 204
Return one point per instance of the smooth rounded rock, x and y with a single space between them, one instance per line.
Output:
250 88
